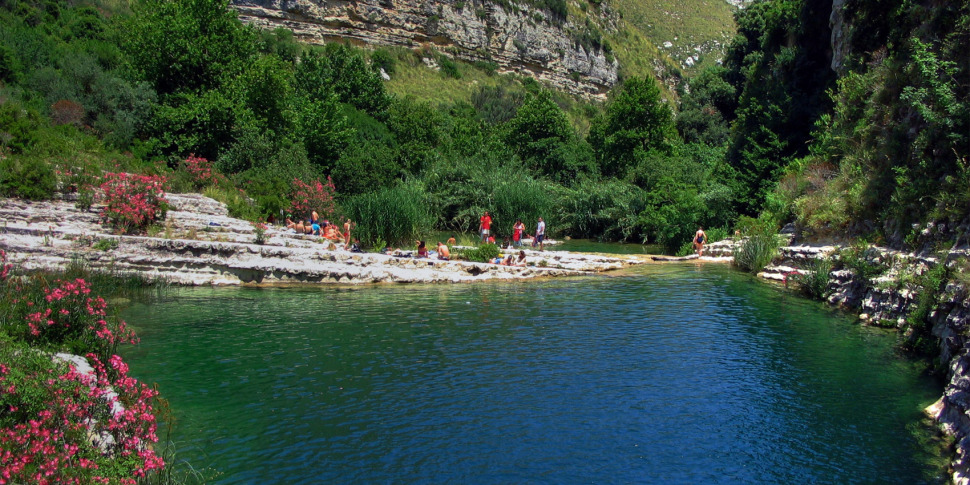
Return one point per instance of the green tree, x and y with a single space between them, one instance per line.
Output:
187 45
538 131
636 118
322 127
707 108
341 70
779 63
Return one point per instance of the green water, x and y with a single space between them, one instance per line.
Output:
667 374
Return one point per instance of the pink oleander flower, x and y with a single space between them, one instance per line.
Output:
202 171
315 196
133 201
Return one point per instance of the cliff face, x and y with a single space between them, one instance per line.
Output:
525 41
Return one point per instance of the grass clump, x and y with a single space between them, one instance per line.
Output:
759 248
814 283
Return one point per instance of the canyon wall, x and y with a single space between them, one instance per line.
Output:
520 40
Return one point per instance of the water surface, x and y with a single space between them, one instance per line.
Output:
669 374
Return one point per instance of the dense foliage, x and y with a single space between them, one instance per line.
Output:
226 106
868 137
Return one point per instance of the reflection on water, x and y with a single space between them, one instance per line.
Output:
677 374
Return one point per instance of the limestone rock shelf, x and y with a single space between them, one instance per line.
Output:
199 244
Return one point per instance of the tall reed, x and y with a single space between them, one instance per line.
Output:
396 215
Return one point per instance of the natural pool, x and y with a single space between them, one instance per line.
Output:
665 374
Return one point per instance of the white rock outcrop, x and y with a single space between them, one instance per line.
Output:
201 245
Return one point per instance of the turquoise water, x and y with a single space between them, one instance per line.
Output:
668 374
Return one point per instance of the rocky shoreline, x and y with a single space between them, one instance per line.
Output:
200 244
890 299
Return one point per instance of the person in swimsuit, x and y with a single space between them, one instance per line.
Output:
422 250
347 232
443 252
699 239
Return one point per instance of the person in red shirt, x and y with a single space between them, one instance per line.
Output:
485 226
517 231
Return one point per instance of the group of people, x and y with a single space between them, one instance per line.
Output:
518 231
511 260
441 252
326 229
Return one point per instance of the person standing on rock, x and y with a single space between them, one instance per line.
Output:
699 239
485 225
517 230
540 233
347 232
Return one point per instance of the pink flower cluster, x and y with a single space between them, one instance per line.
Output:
315 196
202 171
70 314
60 410
4 266
133 201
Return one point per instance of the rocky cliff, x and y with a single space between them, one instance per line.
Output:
518 38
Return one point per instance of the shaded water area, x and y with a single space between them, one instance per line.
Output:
665 374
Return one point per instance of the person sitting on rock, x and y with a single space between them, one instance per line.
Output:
451 241
422 249
521 260
443 252
331 233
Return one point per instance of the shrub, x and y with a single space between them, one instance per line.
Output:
314 196
259 231
930 283
106 244
132 201
59 425
481 254
202 172
51 410
240 206
858 258
26 177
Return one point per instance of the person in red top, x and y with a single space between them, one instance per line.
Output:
485 226
517 231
